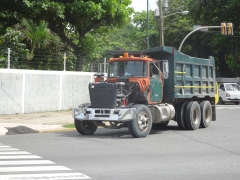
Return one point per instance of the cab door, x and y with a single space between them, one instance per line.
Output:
156 88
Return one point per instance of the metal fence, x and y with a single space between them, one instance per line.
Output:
60 64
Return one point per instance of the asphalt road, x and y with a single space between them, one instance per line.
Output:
170 153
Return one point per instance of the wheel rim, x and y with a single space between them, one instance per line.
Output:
196 118
143 120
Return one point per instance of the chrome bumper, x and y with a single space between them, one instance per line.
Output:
102 114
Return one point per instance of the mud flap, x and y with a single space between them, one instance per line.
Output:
213 113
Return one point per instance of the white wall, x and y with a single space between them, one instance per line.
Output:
28 91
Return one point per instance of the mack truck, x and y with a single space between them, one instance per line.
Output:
148 88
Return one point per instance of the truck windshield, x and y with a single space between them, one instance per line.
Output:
128 69
232 87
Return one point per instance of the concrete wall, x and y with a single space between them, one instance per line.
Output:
28 91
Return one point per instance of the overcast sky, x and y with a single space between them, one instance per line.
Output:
140 5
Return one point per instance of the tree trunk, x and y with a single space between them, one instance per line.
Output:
236 56
79 64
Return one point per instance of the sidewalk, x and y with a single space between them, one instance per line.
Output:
35 122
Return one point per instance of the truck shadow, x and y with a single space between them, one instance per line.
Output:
122 133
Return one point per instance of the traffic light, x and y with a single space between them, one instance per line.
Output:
229 28
223 29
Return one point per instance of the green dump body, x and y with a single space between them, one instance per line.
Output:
188 76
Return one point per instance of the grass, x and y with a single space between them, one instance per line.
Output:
69 126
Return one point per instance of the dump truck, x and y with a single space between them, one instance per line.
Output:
148 88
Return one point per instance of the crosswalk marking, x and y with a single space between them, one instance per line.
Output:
20 157
26 162
55 176
8 149
15 152
35 168
14 161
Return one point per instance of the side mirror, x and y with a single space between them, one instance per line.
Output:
165 69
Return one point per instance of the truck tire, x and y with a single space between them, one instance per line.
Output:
85 127
206 114
193 115
181 115
142 124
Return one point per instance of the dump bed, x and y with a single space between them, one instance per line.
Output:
188 76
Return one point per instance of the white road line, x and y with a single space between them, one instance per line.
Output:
227 107
34 168
26 162
20 157
15 157
14 152
9 149
55 176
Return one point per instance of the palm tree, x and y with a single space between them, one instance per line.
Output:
38 36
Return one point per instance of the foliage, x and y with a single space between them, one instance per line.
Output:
38 36
13 40
32 47
140 25
225 49
176 25
88 29
81 17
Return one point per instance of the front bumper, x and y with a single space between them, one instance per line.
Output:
102 114
232 100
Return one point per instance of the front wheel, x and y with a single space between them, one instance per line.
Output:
142 124
85 127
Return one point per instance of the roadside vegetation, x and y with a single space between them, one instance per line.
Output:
70 126
40 33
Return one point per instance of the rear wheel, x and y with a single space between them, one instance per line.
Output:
193 115
237 103
181 115
85 127
142 124
206 114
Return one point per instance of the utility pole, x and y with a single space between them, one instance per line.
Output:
147 38
161 32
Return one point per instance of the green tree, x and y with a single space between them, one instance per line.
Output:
224 48
140 33
37 35
73 16
12 39
176 25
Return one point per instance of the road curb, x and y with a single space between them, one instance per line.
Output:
57 130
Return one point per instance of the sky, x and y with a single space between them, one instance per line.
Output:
140 5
